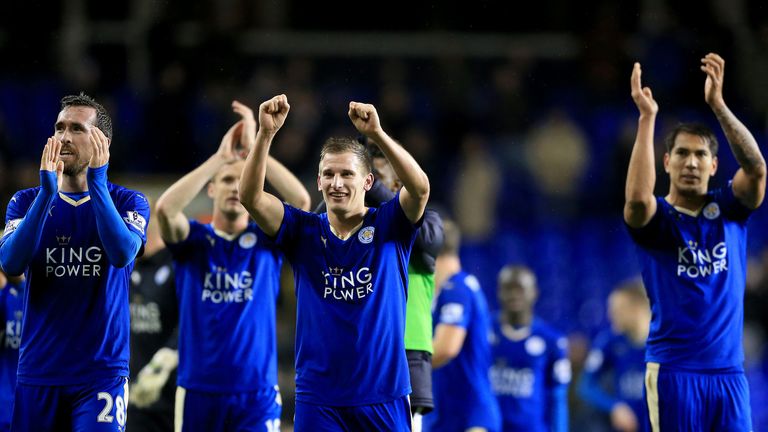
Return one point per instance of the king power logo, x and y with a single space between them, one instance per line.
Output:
65 261
695 262
223 286
347 285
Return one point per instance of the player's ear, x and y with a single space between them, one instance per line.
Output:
666 162
714 165
210 189
319 187
368 182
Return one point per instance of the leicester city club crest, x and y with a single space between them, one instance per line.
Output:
711 211
366 235
247 240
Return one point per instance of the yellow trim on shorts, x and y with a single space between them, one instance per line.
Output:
652 393
178 411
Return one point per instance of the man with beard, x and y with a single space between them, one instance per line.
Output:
75 237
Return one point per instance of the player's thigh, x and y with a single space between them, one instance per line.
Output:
311 417
199 411
101 406
257 411
676 400
388 416
39 408
732 412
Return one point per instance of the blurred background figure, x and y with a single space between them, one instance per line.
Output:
615 369
462 356
531 370
11 313
154 337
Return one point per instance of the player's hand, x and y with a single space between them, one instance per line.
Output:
642 96
227 151
365 118
99 148
623 418
152 378
272 114
50 160
248 130
714 66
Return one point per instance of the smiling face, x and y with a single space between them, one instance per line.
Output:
343 180
73 128
690 164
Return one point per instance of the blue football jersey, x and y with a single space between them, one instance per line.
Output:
694 270
462 388
351 294
530 364
11 312
227 289
615 355
76 326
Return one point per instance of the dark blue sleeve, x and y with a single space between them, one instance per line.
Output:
558 378
183 250
589 387
121 244
655 234
429 241
732 208
454 306
289 236
19 242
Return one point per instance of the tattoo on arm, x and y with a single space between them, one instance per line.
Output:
741 141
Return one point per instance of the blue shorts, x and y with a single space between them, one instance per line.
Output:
257 411
98 406
392 416
693 401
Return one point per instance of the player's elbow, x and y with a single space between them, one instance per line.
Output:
162 208
638 212
122 258
11 269
443 353
249 199
422 188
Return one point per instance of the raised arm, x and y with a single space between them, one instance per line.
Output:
265 208
415 191
749 180
21 236
640 204
174 225
121 244
287 185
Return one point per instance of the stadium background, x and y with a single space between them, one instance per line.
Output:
522 119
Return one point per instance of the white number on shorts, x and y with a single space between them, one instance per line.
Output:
104 416
120 410
273 425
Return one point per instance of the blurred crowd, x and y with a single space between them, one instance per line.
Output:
527 152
